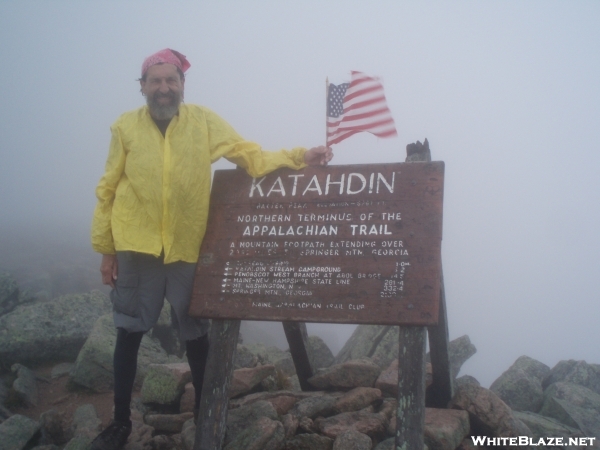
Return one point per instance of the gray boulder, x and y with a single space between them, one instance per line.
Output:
459 351
573 405
263 434
542 426
311 407
243 417
320 355
53 427
380 343
164 384
352 440
94 365
49 331
488 414
282 360
25 386
17 431
576 372
308 441
520 387
86 422
9 293
445 429
351 374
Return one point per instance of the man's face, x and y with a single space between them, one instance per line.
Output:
163 89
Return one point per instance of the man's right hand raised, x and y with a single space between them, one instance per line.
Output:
109 269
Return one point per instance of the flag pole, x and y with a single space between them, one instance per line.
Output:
326 100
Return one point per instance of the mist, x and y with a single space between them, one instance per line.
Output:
507 94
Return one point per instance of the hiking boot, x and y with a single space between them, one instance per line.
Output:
114 437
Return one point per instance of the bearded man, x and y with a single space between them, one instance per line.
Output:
151 217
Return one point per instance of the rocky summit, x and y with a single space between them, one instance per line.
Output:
352 404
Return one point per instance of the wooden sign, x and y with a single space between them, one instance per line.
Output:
339 244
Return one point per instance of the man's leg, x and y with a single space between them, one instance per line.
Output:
137 300
125 366
193 331
197 354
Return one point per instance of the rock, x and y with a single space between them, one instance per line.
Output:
188 399
357 398
465 380
388 379
459 351
263 434
79 443
9 293
161 442
520 387
488 414
53 428
282 360
290 425
352 440
283 403
356 373
164 383
379 342
364 422
168 423
25 385
306 425
244 357
309 442
542 426
140 437
251 398
576 372
320 355
86 422
312 407
388 444
245 380
188 434
94 365
243 417
573 405
445 429
17 431
62 369
49 331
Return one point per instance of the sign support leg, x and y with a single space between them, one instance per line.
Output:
410 420
441 390
297 338
212 417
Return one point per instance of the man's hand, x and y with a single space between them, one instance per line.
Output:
318 156
109 269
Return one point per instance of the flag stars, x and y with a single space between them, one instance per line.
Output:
335 101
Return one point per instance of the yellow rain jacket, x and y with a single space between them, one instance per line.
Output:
154 195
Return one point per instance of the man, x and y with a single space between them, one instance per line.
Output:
151 217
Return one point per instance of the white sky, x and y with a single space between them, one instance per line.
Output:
507 92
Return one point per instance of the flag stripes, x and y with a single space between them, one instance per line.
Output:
358 106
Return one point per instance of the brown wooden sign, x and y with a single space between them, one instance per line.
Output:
339 244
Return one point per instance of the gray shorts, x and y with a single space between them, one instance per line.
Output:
143 282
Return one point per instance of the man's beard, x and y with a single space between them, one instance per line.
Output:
164 111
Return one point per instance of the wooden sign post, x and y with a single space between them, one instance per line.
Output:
342 244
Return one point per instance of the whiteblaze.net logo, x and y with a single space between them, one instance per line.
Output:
532 442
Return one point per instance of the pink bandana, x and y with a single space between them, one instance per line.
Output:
166 56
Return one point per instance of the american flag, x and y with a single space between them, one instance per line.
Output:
358 106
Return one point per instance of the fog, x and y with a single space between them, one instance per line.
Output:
507 94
